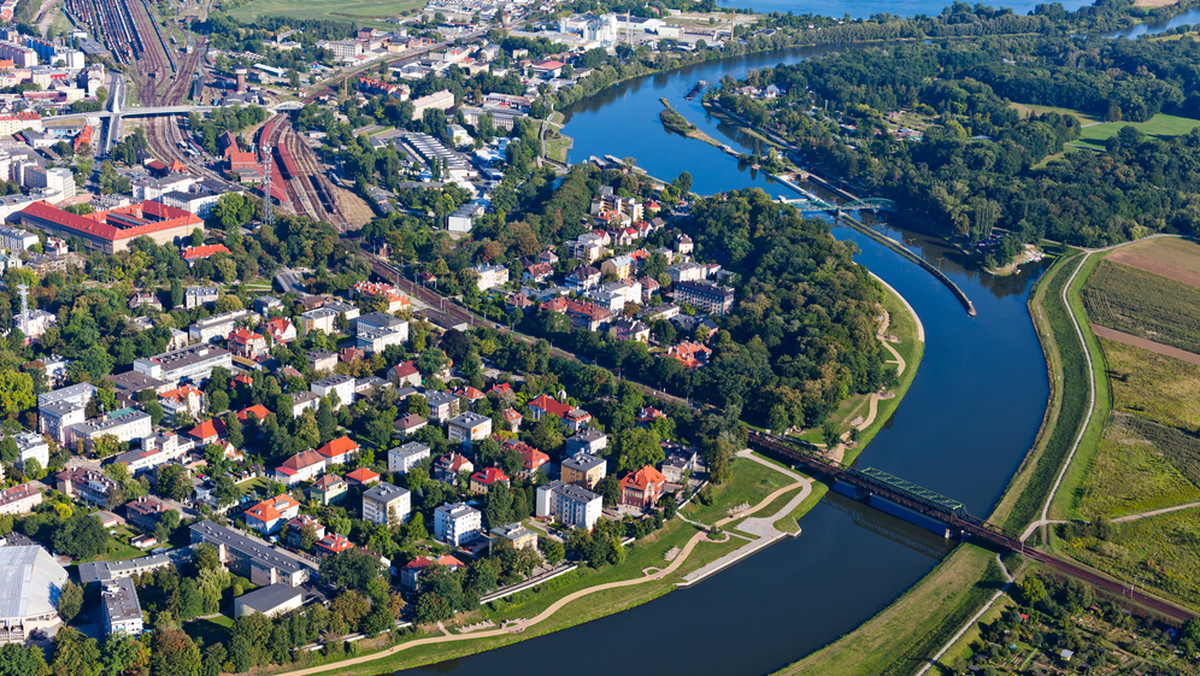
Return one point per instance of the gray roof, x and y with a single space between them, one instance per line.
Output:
82 391
121 600
468 419
410 449
269 598
31 580
583 461
384 492
261 552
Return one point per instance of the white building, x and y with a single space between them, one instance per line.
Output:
468 427
456 523
403 458
490 276
573 505
342 386
60 410
31 580
32 446
386 504
122 611
127 424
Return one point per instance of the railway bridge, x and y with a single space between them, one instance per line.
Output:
871 481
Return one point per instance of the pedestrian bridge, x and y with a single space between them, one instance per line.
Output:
157 111
813 204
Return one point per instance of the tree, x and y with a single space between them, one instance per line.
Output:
326 424
233 430
218 401
16 392
418 405
308 536
20 660
351 569
70 601
172 482
80 537
174 653
125 654
610 490
547 434
9 452
637 447
75 653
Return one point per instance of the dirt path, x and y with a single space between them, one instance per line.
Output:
1146 344
521 625
1156 512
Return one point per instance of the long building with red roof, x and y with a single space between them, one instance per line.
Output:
112 230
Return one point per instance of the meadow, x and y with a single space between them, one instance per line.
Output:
323 9
1154 386
1161 126
1144 304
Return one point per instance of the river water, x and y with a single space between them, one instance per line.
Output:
862 9
964 426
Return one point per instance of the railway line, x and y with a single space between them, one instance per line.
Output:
297 171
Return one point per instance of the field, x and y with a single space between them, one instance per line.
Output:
751 483
1171 257
1140 466
1154 386
1027 109
1160 551
323 9
1144 304
1161 126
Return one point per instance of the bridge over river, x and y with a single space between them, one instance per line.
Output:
873 482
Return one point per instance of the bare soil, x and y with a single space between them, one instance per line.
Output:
1175 259
1149 345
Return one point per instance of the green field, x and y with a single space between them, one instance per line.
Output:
323 9
1161 126
1140 466
1027 109
1144 304
1154 385
750 483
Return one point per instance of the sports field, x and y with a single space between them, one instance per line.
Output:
324 9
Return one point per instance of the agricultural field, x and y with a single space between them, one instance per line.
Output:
1153 386
1171 257
1144 304
1139 466
323 9
1161 126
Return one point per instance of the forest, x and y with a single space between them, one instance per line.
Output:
979 166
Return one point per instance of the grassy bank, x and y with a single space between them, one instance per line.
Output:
909 631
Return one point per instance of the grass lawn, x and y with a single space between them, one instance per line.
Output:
750 483
1162 126
323 9
1154 385
210 629
1129 475
912 629
1027 109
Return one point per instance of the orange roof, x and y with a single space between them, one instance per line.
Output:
181 393
198 252
511 414
326 482
258 410
339 446
687 353
363 475
243 336
489 476
531 458
424 562
272 508
301 460
208 428
642 478
335 543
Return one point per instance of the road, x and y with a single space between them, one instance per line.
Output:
288 280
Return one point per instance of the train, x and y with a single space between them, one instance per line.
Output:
287 166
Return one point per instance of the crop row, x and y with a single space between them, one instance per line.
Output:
1144 304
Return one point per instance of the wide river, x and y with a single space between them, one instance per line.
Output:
967 421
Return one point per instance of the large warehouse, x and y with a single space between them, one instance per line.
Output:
31 580
112 230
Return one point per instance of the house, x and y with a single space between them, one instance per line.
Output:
338 451
195 296
647 416
512 419
484 479
32 446
691 355
520 536
642 488
328 489
680 461
145 512
572 505
470 394
19 499
583 314
295 529
532 460
362 478
411 571
193 254
490 276
304 466
584 469
208 431
629 329
319 319
304 400
322 361
405 374
538 273
582 278
442 405
587 441
448 467
145 299
342 386
217 326
410 423
186 399
456 523
621 267
704 296
126 424
246 343
332 544
375 332
256 412
403 458
386 504
468 427
268 516
280 329
395 299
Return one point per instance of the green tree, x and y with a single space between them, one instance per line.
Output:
9 452
233 430
637 447
124 654
70 601
19 660
172 482
16 392
75 653
80 537
174 653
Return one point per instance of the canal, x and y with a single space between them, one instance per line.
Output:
964 426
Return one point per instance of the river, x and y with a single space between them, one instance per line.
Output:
862 9
964 426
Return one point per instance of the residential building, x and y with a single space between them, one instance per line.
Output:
411 571
442 405
272 600
405 375
216 326
456 523
386 504
304 466
122 610
342 386
280 330
704 296
629 329
678 463
186 399
246 343
319 319
532 460
587 441
328 489
62 409
448 467
85 484
16 240
338 451
322 361
483 480
490 276
642 488
195 296
194 363
463 219
32 446
295 529
126 424
268 516
304 400
520 536
572 505
403 458
584 469
374 332
582 278
362 478
410 423
512 419
332 544
621 267
691 355
573 418
145 512
396 299
19 499
468 427
250 557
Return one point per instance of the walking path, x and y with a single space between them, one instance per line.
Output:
971 622
521 625
1156 512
